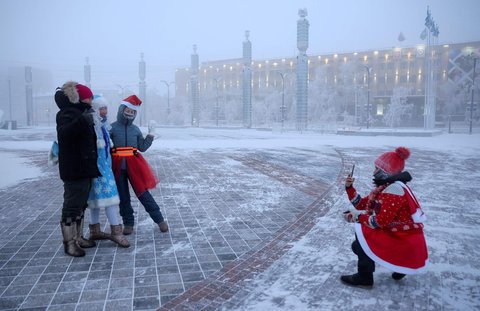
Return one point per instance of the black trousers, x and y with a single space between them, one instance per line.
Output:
365 264
75 197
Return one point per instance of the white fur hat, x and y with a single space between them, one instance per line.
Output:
99 102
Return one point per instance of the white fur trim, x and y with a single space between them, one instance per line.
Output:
395 268
101 143
130 105
394 188
419 216
97 203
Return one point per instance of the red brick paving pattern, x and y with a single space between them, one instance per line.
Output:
222 285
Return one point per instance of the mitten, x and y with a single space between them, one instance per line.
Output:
151 128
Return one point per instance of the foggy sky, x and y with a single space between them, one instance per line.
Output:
58 35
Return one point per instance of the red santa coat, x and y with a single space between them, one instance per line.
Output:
391 229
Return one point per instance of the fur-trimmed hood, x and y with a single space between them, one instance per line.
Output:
70 90
67 95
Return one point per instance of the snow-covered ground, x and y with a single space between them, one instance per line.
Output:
445 170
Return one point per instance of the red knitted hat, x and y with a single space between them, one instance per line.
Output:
132 102
393 162
83 91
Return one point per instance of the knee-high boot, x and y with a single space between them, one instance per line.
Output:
82 242
70 244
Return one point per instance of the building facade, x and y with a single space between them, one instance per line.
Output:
346 75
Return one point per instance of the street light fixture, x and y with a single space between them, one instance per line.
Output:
123 87
168 94
283 75
369 70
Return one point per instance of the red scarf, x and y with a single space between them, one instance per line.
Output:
372 196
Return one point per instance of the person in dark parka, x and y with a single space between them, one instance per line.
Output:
77 161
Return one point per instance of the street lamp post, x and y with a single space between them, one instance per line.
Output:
123 89
168 94
473 92
283 75
369 70
216 102
10 98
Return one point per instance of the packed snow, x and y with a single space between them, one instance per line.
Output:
445 168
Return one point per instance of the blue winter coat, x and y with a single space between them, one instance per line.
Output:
104 192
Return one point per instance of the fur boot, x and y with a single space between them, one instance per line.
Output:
82 242
96 233
118 237
70 244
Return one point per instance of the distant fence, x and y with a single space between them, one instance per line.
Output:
460 124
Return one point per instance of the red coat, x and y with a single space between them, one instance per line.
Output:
387 231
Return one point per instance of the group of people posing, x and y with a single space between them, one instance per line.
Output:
98 160
96 163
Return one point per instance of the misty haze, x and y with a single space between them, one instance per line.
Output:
250 116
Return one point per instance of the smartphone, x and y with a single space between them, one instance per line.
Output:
353 169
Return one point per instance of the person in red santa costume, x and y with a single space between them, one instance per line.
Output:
128 164
389 228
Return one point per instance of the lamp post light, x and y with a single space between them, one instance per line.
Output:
122 88
283 75
369 70
168 93
216 102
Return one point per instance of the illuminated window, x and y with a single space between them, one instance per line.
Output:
380 109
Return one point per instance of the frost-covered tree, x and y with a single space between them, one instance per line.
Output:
322 99
399 107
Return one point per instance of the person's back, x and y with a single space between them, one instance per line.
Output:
77 161
76 137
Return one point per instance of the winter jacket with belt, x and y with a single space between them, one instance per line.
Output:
125 134
77 157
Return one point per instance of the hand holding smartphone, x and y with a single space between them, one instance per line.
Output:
349 181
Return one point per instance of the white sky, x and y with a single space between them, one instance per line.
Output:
58 35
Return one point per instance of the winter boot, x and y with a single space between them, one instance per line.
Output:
163 226
398 276
96 233
82 242
118 237
363 280
127 230
70 244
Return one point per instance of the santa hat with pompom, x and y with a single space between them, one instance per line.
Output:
393 162
132 102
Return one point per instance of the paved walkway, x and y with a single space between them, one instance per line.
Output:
235 219
231 214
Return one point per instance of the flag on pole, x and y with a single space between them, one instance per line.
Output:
423 35
401 37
